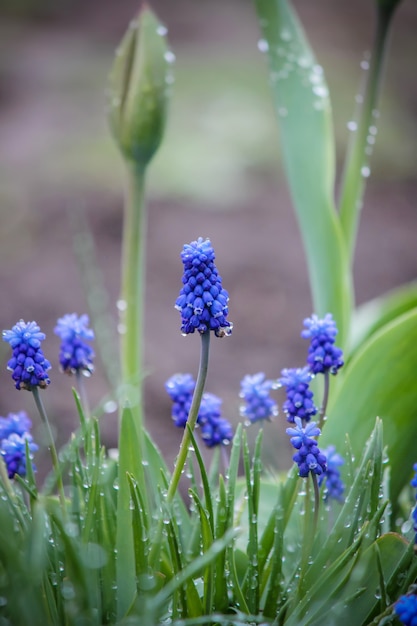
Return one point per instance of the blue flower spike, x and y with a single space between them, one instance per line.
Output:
299 402
202 302
28 364
258 405
217 432
334 486
414 513
180 388
14 433
75 355
323 355
406 609
308 456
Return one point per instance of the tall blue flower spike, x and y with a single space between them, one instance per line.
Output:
414 513
202 301
255 391
14 433
299 402
28 364
216 432
406 610
308 456
334 486
75 354
323 355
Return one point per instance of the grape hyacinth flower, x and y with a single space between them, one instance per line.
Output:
323 355
406 610
14 432
14 423
217 431
202 301
13 451
28 364
414 513
299 402
334 486
255 392
75 354
180 387
308 456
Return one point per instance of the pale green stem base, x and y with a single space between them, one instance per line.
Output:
52 448
83 394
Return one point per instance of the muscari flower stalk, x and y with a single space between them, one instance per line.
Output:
299 402
323 355
75 355
14 433
28 364
406 609
308 456
255 391
203 300
334 486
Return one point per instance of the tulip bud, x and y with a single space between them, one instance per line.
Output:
139 86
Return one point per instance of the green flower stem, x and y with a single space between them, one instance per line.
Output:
192 416
186 440
323 408
316 501
133 281
52 448
83 394
353 179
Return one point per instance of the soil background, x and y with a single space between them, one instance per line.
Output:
218 174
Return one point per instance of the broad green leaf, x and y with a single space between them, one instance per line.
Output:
304 117
380 380
372 315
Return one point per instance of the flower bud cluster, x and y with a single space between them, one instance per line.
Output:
28 364
14 436
255 391
323 355
202 301
299 402
75 354
308 456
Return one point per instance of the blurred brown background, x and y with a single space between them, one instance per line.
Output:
218 174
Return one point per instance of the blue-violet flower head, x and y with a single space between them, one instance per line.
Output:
28 364
406 609
334 486
299 402
323 355
255 391
13 451
216 432
210 409
75 354
202 301
18 423
308 456
180 387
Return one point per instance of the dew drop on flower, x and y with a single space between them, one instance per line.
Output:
365 65
121 305
365 171
110 406
352 125
169 56
161 30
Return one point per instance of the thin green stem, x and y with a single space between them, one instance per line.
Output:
192 416
316 501
52 448
323 408
186 440
83 394
356 163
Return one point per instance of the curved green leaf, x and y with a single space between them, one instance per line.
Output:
304 118
372 315
380 380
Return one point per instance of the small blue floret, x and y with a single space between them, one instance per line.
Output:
406 610
255 391
203 303
299 402
323 355
75 354
14 433
308 456
28 364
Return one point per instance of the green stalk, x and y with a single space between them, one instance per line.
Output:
192 416
353 177
52 448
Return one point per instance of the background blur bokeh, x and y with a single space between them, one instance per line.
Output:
218 174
